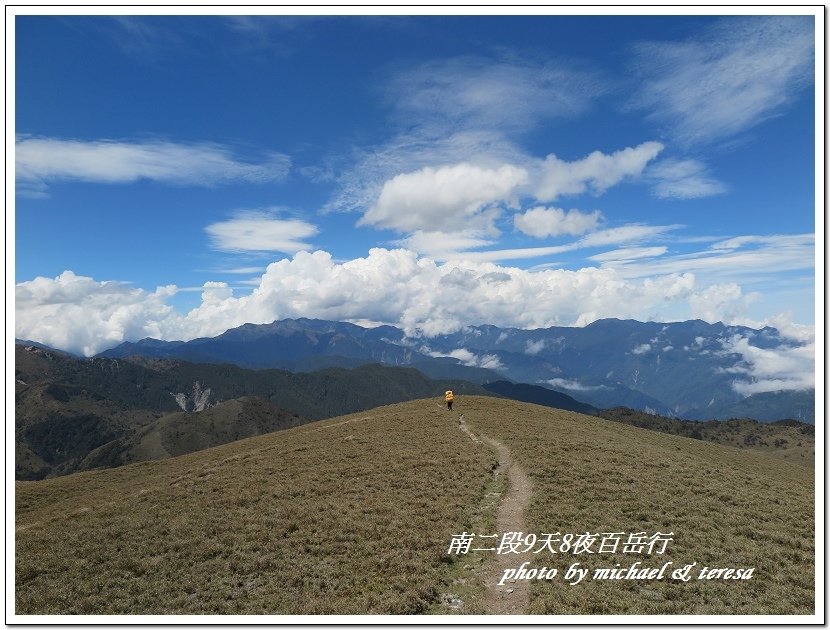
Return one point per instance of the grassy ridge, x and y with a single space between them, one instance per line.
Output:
726 508
347 516
354 515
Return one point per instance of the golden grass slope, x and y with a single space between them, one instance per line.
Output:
727 508
355 515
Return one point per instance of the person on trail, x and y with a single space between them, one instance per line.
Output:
448 397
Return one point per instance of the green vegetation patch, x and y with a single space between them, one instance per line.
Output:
347 516
726 508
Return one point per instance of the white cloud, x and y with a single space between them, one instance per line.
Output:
629 253
595 173
641 349
563 383
478 93
444 112
772 369
242 270
544 222
444 245
39 161
361 175
744 257
733 77
519 253
612 236
447 198
683 179
470 359
216 292
778 241
260 230
535 347
393 286
82 315
624 234
726 301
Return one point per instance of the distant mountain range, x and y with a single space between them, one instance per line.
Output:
681 369
74 414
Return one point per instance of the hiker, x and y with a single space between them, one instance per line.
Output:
448 398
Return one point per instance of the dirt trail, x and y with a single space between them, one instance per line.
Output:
513 597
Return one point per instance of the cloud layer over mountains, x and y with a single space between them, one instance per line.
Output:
417 294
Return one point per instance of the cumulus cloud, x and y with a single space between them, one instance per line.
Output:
445 198
595 173
535 347
544 222
463 201
641 349
81 315
443 112
470 359
261 231
361 175
733 77
787 367
216 292
398 287
726 301
39 161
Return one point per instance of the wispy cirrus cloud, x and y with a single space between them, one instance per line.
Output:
630 253
260 231
40 161
737 74
625 234
683 179
509 94
444 245
742 256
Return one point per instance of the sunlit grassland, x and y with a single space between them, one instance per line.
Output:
725 507
354 515
346 516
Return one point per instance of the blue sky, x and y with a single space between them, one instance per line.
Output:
177 176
